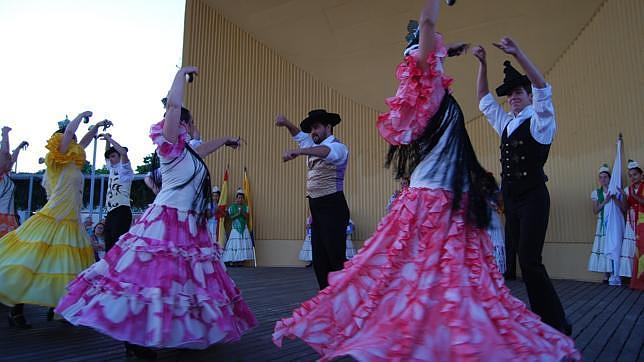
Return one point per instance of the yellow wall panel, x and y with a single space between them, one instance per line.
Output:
242 86
598 89
598 92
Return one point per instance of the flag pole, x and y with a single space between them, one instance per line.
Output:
246 186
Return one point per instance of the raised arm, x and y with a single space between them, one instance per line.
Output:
318 151
14 155
427 29
509 46
107 142
211 146
70 131
482 87
281 121
173 105
120 149
92 132
5 157
4 148
334 152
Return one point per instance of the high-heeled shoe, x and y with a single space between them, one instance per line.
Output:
139 352
18 321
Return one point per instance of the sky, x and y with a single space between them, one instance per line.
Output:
115 58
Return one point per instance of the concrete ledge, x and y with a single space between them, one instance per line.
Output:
569 261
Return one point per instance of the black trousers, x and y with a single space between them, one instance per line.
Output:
117 223
330 217
526 218
510 257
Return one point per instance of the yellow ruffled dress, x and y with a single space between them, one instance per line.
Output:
39 259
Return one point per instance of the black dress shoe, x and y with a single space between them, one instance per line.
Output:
566 328
140 352
510 276
18 321
50 315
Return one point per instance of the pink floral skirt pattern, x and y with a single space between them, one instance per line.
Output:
425 287
161 285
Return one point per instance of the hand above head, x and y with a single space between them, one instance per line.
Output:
190 71
290 155
105 123
456 49
479 53
281 121
85 114
6 130
508 46
23 145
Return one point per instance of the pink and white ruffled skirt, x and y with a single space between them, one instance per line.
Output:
161 285
425 287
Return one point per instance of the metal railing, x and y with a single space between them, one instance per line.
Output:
31 177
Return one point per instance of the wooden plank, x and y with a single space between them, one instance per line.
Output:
622 332
606 321
273 293
634 348
581 315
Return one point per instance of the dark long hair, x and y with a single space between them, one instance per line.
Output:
203 198
467 169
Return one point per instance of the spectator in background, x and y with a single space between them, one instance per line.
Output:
599 259
89 225
98 241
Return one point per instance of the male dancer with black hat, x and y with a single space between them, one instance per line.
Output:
327 159
119 213
526 134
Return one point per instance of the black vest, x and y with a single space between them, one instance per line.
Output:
522 161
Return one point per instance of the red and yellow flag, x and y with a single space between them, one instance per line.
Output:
249 201
221 206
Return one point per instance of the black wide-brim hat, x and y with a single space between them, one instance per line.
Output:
511 80
319 116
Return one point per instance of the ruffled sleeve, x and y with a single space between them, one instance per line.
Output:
165 148
417 99
75 153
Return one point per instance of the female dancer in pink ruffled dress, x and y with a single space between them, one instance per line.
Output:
163 284
425 286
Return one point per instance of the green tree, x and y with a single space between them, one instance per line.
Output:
87 169
102 171
146 166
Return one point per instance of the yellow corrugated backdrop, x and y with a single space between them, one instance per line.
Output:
598 92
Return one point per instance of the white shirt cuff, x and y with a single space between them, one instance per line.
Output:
337 153
540 94
486 101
